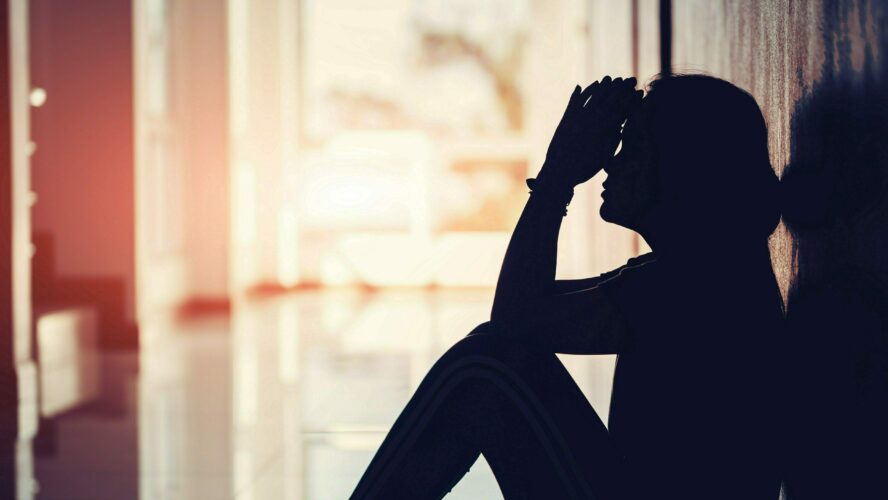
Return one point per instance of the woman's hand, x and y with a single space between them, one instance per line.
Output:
589 132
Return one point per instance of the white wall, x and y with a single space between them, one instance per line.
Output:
82 167
181 152
201 79
263 128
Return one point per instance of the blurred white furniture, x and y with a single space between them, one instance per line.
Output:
68 363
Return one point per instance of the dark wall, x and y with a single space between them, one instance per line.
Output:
82 170
8 381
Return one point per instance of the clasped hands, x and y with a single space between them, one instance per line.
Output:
589 132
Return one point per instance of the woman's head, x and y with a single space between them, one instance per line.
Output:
694 158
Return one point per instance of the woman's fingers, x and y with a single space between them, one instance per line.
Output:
635 100
590 128
619 98
607 103
574 95
588 92
599 93
573 107
573 101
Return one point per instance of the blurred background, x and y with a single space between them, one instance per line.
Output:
238 232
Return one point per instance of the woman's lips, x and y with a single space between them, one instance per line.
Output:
610 188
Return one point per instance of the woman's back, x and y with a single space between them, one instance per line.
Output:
695 390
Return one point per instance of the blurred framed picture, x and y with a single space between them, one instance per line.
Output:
450 68
481 194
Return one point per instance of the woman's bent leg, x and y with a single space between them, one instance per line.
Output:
494 395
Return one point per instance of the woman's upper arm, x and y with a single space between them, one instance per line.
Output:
584 316
567 286
576 285
581 322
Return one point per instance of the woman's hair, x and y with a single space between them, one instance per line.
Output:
711 143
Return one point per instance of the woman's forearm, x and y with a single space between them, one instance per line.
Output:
528 270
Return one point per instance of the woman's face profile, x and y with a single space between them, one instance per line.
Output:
631 185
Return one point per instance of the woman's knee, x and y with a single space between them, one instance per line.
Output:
486 345
486 340
486 328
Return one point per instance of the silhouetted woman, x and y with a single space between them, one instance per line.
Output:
695 322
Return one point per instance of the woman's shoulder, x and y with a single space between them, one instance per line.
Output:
632 266
643 259
629 281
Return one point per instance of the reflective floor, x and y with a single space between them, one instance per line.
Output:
286 398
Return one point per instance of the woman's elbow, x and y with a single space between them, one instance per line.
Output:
512 322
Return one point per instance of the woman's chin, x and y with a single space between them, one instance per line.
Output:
605 211
611 212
